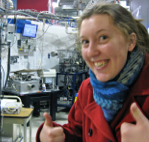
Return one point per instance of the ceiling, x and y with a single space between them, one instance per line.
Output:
70 7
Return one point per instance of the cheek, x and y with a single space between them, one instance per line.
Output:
113 50
84 54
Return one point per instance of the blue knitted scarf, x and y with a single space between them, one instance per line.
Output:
111 95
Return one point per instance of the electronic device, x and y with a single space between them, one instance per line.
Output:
48 77
23 87
47 72
11 105
23 81
29 30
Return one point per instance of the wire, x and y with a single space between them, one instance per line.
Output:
69 22
67 19
10 21
41 13
28 15
41 58
62 20
14 43
3 74
43 33
8 66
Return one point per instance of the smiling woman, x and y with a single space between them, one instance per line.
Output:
103 53
114 46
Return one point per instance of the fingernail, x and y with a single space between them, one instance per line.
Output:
135 107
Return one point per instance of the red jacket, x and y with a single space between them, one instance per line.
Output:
86 122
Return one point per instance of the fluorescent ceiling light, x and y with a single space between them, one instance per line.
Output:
55 4
67 7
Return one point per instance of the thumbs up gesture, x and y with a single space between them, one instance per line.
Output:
50 133
138 132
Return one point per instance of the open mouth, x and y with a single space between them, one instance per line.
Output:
101 64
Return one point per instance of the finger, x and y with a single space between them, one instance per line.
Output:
137 114
48 119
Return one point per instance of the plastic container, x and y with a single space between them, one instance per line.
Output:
43 87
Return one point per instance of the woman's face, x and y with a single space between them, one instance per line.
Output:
104 47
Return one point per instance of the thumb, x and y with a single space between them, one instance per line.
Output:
48 119
137 114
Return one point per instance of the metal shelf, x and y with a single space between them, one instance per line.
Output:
72 85
5 5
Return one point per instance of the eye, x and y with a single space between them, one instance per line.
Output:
84 42
103 38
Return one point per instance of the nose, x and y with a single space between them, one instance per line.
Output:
93 49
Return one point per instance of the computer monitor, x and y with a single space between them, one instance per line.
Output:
29 30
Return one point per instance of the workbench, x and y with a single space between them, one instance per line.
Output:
35 97
23 117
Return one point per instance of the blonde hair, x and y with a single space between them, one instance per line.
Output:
122 19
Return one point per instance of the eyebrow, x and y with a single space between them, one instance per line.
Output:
96 32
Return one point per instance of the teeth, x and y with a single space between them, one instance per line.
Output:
100 64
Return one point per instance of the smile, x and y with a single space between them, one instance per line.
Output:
101 64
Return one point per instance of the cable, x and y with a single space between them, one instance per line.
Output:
8 66
41 13
10 21
28 15
43 33
3 74
67 19
14 43
69 22
41 58
62 20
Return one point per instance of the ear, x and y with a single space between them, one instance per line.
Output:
132 41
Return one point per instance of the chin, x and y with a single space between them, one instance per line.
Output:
102 79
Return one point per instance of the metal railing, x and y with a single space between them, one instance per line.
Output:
93 2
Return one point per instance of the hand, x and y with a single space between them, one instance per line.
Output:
50 133
138 132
